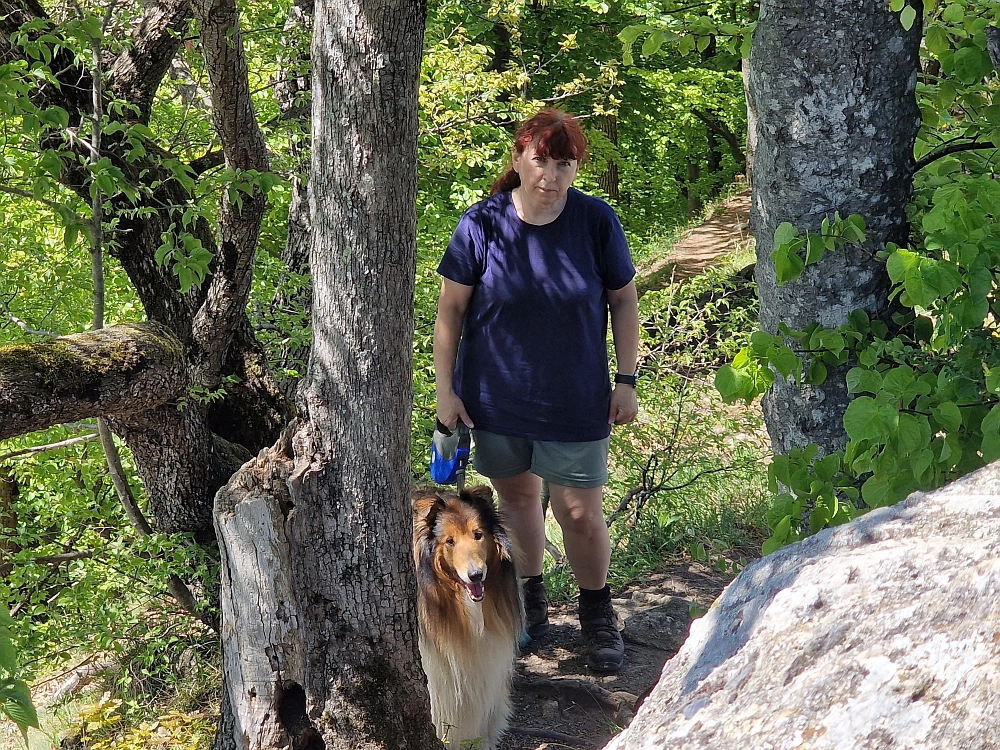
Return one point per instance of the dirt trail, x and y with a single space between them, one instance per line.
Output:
725 230
558 703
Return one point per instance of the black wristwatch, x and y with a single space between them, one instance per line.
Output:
632 380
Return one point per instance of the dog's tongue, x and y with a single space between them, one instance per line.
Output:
475 591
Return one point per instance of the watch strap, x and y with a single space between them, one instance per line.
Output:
632 380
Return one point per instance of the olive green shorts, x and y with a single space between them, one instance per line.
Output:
567 464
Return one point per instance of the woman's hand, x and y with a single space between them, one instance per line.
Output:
624 405
450 409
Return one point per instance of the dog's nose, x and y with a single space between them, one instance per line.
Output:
475 576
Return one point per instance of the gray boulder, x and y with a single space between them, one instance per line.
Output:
883 633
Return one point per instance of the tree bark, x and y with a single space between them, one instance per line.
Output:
118 370
834 118
608 179
315 534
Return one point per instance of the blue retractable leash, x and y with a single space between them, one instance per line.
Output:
450 451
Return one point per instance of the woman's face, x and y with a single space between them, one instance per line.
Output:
543 179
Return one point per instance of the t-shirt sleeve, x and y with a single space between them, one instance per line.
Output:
617 266
463 260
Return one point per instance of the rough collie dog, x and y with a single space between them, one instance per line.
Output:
470 613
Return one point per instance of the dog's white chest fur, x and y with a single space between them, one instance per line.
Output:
470 685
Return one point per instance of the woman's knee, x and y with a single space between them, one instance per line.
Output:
520 492
578 510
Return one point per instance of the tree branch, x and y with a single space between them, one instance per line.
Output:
947 149
245 149
720 129
123 369
48 447
137 73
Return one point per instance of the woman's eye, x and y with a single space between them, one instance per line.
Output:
449 541
477 535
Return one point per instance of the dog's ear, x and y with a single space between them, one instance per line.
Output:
483 492
480 497
505 548
426 504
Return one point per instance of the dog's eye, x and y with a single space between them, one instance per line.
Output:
477 535
450 541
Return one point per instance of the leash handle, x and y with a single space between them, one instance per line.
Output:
450 451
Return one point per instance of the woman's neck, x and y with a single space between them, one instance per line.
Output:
533 212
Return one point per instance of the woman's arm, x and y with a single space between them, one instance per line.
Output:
624 306
452 304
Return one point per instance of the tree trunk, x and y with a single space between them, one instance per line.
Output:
608 179
834 118
319 592
694 204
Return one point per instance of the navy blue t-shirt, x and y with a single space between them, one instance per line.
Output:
533 360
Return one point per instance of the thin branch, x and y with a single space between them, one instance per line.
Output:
951 148
178 589
49 447
27 194
22 325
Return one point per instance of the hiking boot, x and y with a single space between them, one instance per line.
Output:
536 609
603 643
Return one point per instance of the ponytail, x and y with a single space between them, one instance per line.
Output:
507 181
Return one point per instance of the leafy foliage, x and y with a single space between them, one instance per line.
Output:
15 697
927 405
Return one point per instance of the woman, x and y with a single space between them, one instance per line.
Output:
529 279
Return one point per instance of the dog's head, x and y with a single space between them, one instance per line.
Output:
458 537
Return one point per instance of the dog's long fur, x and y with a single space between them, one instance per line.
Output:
467 647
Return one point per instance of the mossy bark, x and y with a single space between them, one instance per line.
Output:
119 370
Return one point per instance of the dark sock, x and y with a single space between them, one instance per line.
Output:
590 598
532 579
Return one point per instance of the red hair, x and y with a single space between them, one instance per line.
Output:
555 133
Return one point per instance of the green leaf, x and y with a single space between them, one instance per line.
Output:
815 248
780 536
907 17
948 415
875 492
785 233
785 360
629 34
972 64
993 380
896 5
761 342
991 435
900 263
862 379
953 13
730 383
788 266
921 462
909 433
828 466
866 419
653 43
936 39
817 372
